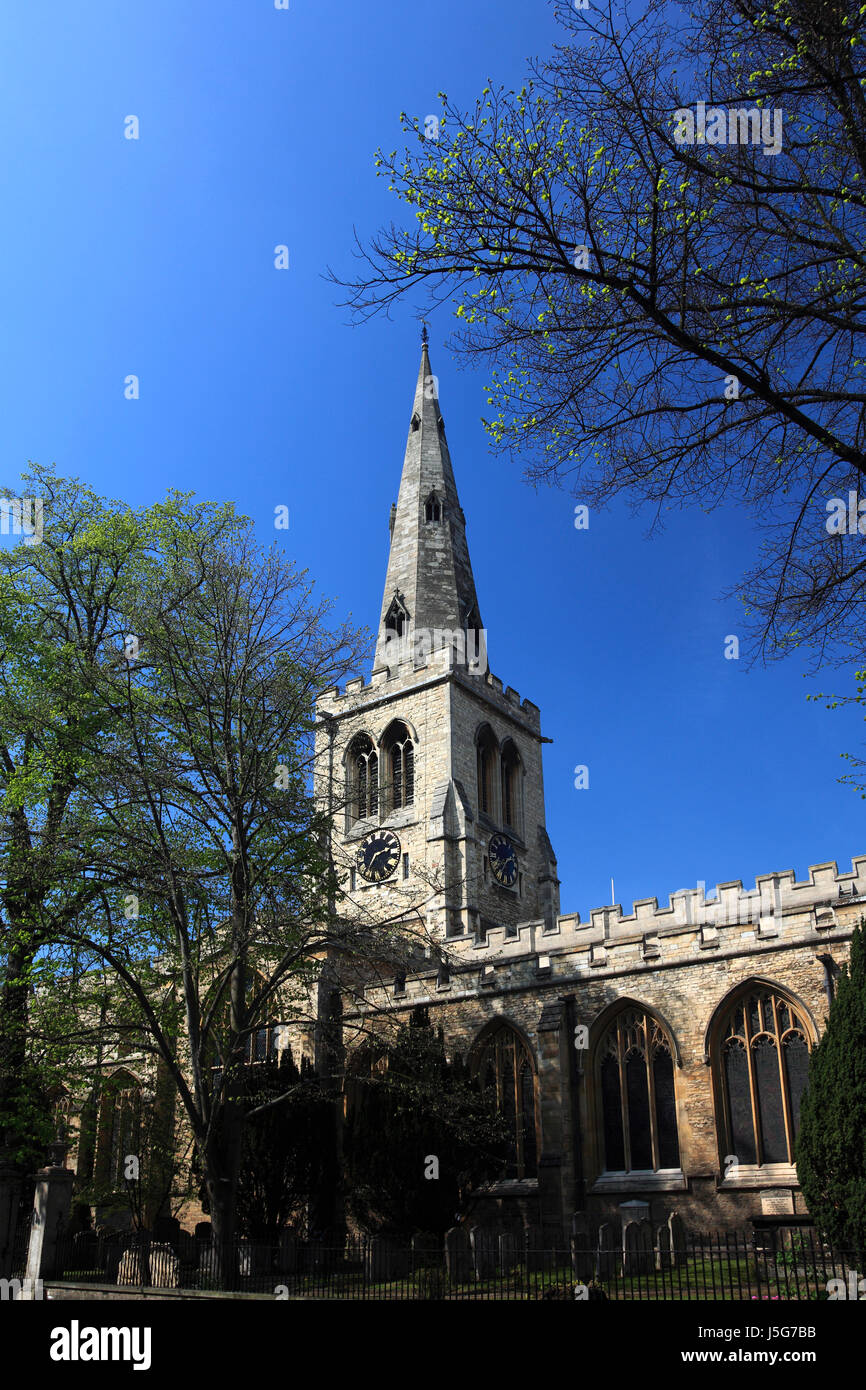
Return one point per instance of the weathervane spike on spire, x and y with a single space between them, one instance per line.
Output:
424 332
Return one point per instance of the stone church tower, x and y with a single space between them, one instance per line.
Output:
435 770
649 1063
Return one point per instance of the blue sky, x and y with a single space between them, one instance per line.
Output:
155 257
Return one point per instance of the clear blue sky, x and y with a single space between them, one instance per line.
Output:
155 257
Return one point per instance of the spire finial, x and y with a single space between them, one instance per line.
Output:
424 332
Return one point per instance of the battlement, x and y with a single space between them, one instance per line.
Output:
386 681
729 918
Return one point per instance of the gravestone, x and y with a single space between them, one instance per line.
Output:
207 1265
457 1254
483 1244
533 1246
386 1260
638 1256
663 1247
131 1267
509 1250
581 1248
609 1250
678 1238
203 1230
164 1266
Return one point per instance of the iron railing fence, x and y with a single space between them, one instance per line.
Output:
782 1263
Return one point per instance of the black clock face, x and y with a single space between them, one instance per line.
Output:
503 860
378 855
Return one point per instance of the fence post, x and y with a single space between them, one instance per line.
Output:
51 1207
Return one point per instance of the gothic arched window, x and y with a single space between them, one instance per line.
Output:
119 1128
506 1074
487 751
432 508
363 789
398 750
635 1074
761 1056
510 771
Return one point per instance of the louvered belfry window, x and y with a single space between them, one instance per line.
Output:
364 771
401 755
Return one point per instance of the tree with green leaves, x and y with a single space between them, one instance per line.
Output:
223 910
57 599
287 1144
671 297
831 1144
419 1134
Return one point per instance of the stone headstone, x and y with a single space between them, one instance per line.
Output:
131 1268
164 1266
457 1254
663 1247
638 1256
533 1246
203 1230
386 1260
609 1250
207 1265
678 1237
509 1250
483 1244
582 1262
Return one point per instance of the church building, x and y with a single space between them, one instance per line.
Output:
647 1062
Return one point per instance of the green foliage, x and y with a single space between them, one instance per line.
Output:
618 274
413 1106
831 1145
285 1147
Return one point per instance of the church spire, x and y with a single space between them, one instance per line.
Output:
429 585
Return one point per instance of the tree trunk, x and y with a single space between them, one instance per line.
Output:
13 1048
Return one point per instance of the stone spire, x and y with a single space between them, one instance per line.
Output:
429 584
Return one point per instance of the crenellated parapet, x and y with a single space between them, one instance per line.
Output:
728 918
385 681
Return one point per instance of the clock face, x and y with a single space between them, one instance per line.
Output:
503 860
378 855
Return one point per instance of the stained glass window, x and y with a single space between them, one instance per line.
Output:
637 1095
507 1077
764 1059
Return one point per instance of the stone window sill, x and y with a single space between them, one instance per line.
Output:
753 1176
642 1180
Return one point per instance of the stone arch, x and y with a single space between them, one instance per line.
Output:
503 1065
758 1043
745 987
361 764
603 1018
486 771
632 1092
118 1128
511 775
397 767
